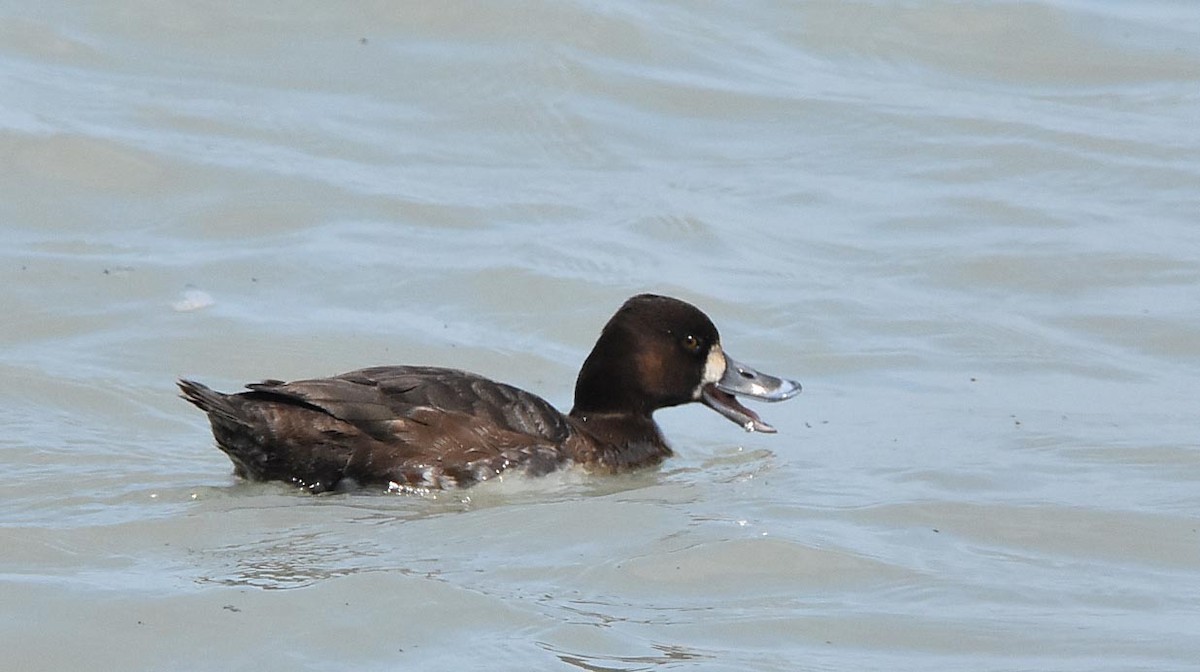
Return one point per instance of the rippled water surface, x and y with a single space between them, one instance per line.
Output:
970 228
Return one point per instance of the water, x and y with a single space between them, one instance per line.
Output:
968 228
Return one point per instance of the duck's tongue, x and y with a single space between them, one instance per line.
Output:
727 405
743 380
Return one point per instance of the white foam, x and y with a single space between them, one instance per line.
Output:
193 299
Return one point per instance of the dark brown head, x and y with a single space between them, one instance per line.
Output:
656 352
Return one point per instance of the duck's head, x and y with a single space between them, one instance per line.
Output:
657 351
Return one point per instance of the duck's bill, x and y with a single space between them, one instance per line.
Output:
742 380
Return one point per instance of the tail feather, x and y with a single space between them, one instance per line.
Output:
210 401
231 428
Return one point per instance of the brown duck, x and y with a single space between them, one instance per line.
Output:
411 427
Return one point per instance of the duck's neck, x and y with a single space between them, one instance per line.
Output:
618 441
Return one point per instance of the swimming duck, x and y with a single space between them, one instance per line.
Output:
416 427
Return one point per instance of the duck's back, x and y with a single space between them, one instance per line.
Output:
408 425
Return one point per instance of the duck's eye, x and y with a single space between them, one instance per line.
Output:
691 344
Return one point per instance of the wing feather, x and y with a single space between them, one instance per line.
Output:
405 402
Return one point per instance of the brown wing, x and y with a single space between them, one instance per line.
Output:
429 425
374 399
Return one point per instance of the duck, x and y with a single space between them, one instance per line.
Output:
421 428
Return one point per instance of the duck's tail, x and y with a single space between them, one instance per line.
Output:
231 427
215 404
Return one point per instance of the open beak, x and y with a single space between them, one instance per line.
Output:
744 381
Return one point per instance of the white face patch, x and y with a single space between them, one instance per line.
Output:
714 368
